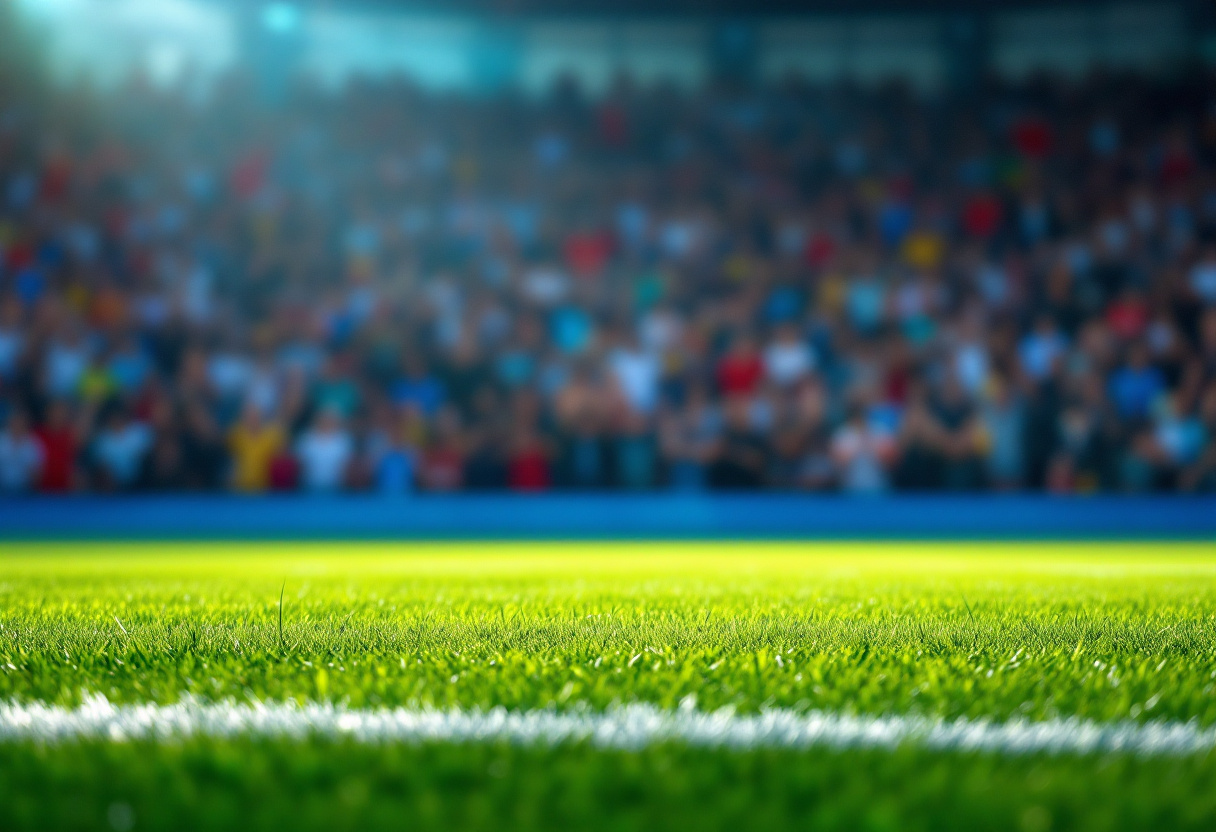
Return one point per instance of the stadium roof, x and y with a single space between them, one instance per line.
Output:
694 8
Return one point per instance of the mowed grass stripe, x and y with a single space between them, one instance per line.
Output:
982 631
629 727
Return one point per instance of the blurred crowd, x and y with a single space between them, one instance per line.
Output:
788 287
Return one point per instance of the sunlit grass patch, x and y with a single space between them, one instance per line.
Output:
981 631
986 630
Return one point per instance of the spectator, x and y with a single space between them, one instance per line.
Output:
253 442
393 456
1136 386
164 469
442 464
66 361
1200 475
636 372
418 388
1003 419
119 449
204 452
325 452
1128 315
963 441
579 328
1180 432
1042 348
788 358
528 464
21 455
864 453
59 439
1203 276
922 443
636 460
12 339
583 459
485 467
740 458
128 367
97 385
689 440
741 369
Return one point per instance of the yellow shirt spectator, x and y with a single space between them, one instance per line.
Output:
253 446
924 249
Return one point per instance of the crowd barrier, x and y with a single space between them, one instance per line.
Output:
766 516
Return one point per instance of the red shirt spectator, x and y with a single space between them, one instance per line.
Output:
59 447
982 215
896 384
587 252
741 370
819 250
528 467
284 474
1032 137
1127 316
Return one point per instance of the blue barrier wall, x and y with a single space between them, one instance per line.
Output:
607 516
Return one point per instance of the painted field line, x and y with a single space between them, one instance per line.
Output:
628 727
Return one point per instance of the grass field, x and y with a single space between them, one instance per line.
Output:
1046 634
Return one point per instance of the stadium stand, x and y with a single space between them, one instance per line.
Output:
750 285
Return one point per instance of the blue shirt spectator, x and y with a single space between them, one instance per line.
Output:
1136 386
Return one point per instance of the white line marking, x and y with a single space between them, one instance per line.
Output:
629 727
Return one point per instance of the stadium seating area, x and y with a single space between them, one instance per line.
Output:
785 288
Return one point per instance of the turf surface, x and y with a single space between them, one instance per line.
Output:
1031 631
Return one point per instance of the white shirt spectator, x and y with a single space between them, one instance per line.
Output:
66 362
861 453
788 359
971 366
324 454
681 237
660 330
637 373
545 286
230 373
120 450
262 388
1203 278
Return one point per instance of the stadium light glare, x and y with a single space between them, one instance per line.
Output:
46 9
281 18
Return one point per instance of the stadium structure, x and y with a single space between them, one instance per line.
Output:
539 414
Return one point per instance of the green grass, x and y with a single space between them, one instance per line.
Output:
983 630
260 785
